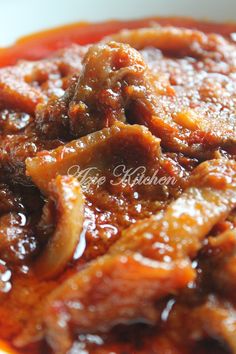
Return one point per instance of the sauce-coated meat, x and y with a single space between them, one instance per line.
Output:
118 195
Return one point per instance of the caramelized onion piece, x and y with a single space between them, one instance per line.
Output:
151 260
68 198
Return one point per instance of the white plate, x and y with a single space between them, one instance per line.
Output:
20 17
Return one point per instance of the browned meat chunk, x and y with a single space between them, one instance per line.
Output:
99 97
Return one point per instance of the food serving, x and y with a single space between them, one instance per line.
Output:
118 189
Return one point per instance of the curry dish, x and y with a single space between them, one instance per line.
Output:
118 191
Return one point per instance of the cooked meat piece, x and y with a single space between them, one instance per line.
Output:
25 85
52 118
118 289
176 41
113 199
150 261
218 260
53 74
214 319
14 149
22 87
208 200
132 146
15 92
98 99
68 198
